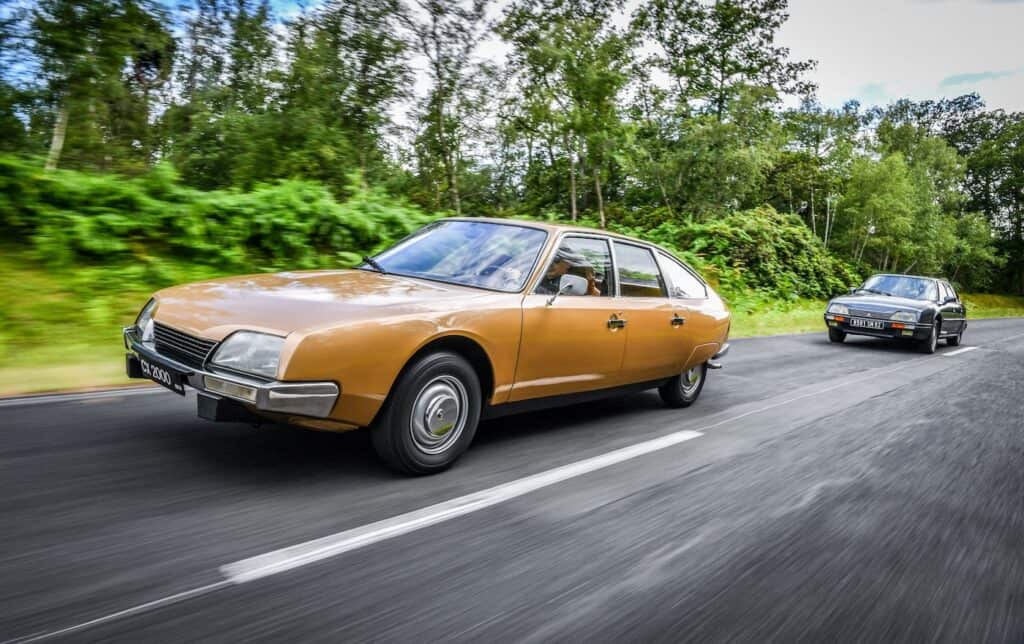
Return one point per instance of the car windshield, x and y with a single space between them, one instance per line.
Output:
914 288
471 253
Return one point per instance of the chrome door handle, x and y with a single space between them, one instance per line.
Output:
615 322
678 321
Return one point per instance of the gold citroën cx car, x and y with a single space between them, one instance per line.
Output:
465 319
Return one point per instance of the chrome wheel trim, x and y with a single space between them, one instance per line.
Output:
439 414
933 341
690 380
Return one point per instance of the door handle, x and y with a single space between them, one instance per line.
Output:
678 321
615 322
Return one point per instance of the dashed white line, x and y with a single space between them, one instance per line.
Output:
303 554
128 612
959 351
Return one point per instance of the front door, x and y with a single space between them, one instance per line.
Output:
575 343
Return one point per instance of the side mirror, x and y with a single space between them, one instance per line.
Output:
570 285
949 299
852 290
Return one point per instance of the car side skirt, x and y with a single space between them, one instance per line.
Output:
537 404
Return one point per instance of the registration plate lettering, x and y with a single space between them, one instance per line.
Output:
163 375
867 324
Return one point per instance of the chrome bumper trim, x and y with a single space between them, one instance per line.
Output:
714 363
314 399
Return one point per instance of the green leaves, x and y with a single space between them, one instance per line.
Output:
78 218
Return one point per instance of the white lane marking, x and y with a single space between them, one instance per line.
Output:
303 554
128 612
49 399
959 351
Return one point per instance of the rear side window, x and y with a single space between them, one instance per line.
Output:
638 273
682 283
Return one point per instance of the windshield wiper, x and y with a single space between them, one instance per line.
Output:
374 264
871 290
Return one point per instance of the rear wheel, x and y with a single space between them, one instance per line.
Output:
836 336
929 344
431 416
683 390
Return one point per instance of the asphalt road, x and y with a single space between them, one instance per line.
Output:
858 492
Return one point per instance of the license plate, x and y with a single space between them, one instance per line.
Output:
163 375
867 324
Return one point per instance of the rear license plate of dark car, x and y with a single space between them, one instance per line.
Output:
867 324
164 375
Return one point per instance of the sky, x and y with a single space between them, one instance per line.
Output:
877 51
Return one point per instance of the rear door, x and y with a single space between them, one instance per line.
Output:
577 342
688 295
653 348
953 313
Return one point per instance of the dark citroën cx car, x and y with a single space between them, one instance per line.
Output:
905 307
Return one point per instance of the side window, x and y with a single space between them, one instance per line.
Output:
950 291
681 282
638 273
585 257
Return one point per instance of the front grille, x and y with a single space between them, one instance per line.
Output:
182 347
874 315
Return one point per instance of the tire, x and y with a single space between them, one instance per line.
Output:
683 390
836 336
430 417
929 344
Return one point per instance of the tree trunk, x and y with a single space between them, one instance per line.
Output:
600 198
814 226
60 129
572 183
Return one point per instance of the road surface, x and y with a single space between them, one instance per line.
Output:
814 492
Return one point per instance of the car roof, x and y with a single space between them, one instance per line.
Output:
558 228
920 277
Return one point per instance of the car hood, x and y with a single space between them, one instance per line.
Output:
282 303
882 303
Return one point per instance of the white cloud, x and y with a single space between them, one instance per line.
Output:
882 50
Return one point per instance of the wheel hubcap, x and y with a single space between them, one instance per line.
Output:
691 379
439 414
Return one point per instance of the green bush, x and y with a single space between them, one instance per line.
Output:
70 218
760 250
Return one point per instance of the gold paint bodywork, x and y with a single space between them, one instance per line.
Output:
360 328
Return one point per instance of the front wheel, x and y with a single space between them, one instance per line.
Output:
836 336
682 390
931 343
431 416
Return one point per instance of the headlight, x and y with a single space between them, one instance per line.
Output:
144 322
838 308
903 316
250 352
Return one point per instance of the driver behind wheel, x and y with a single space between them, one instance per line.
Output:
564 261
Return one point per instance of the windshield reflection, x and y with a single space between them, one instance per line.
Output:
482 254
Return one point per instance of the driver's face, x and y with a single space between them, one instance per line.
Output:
559 269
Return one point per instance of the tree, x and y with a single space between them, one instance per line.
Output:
446 34
95 55
574 65
713 51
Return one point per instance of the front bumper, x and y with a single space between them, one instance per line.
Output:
892 330
313 399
